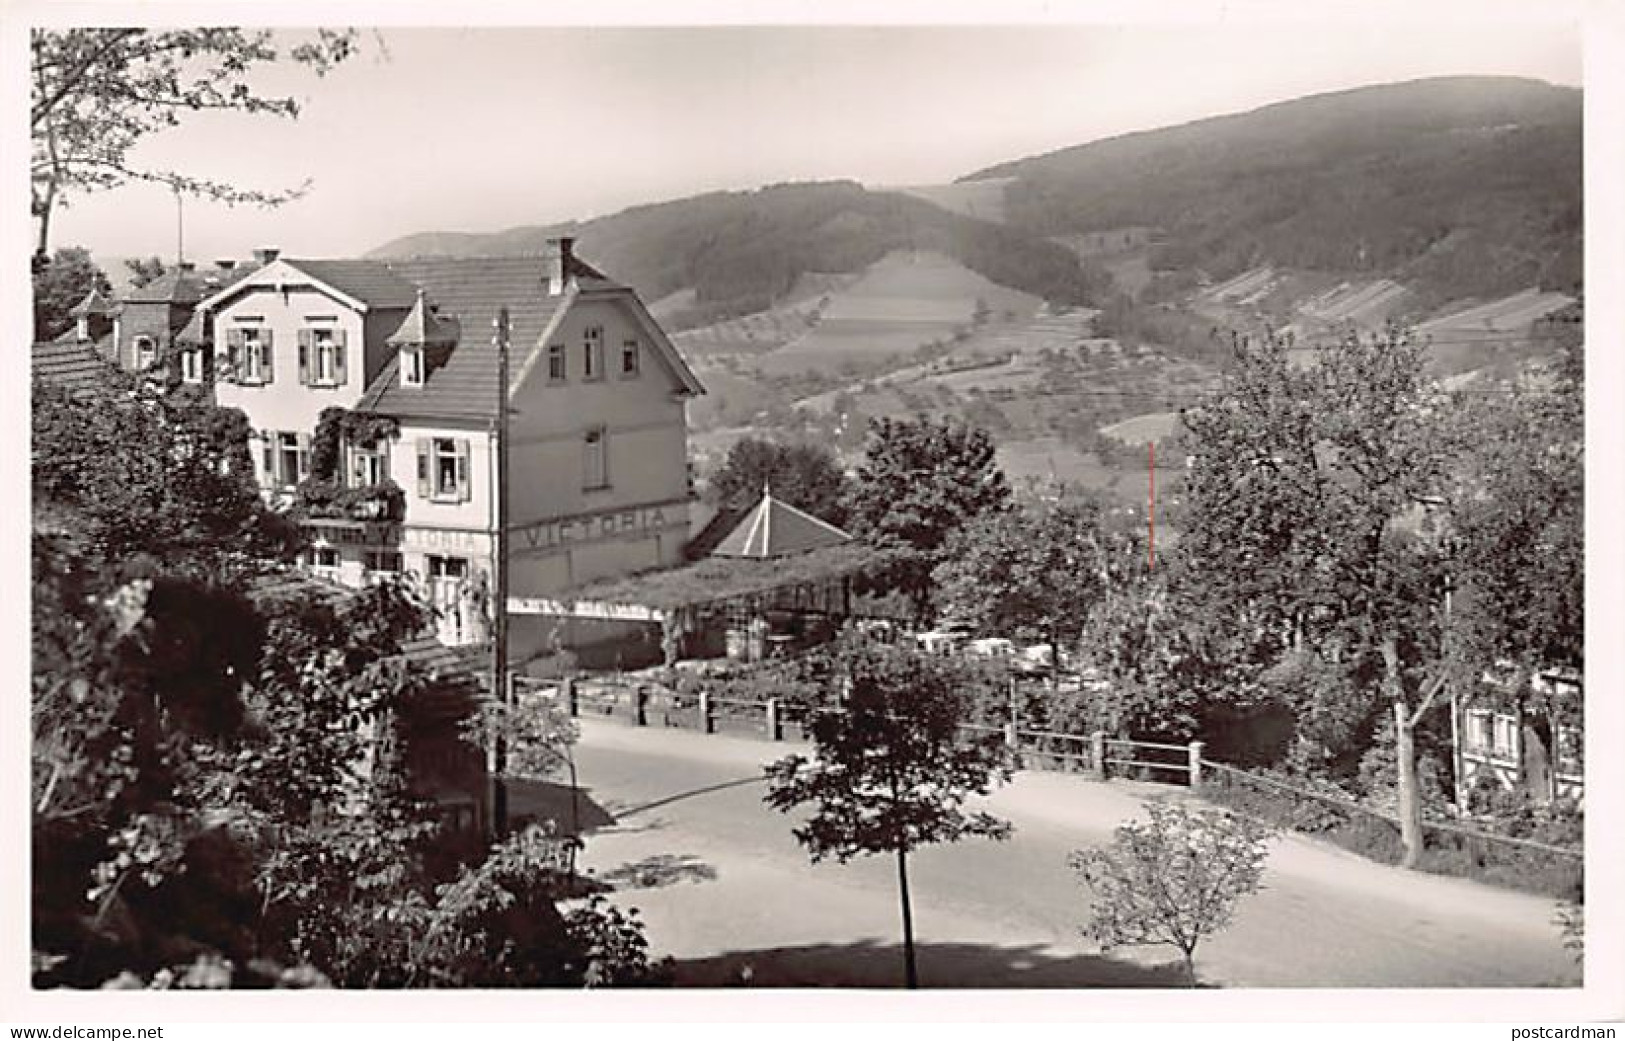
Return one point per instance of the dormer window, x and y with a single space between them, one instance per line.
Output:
413 368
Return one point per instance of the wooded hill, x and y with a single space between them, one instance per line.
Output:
740 252
1458 186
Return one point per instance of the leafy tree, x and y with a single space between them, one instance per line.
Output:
144 271
806 476
1174 879
59 285
1308 522
1517 513
1035 571
97 93
891 768
922 480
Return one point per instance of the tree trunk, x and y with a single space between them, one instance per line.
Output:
910 975
1410 802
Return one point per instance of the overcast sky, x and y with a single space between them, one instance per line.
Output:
484 129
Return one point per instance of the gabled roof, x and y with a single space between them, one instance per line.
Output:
471 290
364 284
776 529
192 332
75 366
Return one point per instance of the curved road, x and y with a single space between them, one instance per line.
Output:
674 820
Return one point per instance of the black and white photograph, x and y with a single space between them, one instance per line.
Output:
1083 511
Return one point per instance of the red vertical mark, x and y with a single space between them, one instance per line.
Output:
1151 512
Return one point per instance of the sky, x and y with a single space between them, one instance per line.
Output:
480 129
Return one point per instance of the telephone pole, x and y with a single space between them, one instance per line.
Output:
499 582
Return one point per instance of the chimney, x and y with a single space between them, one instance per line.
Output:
225 265
558 255
265 255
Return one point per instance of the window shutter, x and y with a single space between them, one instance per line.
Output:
304 357
338 358
424 487
304 456
234 354
266 355
268 455
463 493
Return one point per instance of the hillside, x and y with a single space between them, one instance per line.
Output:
743 252
1456 187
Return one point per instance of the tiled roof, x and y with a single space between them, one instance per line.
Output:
366 280
75 366
193 330
777 529
471 290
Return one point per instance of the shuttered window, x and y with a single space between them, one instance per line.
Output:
443 474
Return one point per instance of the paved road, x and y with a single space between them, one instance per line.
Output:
675 821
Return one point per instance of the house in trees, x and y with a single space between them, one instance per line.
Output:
373 391
1528 743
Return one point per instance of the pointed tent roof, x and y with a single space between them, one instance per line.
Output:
93 303
777 529
422 327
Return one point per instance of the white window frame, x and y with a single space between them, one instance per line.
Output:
324 357
413 367
595 459
441 563
253 354
146 352
289 445
631 358
376 557
443 462
192 365
558 363
316 564
368 466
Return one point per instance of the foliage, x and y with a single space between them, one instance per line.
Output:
1571 920
384 501
96 94
922 480
806 476
1174 879
144 270
891 768
1033 572
535 730
59 285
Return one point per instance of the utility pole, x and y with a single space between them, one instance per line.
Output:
180 229
499 581
1151 504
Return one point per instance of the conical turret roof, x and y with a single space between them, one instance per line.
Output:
422 327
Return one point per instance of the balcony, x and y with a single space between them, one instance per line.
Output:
329 500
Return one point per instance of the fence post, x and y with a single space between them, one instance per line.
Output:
1196 765
775 725
706 723
1097 754
640 705
569 685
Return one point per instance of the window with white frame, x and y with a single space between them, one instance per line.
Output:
324 560
629 358
595 459
413 368
556 365
146 352
1506 735
443 469
321 357
192 365
592 352
287 458
249 353
368 465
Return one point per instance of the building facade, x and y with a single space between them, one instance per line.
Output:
372 390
